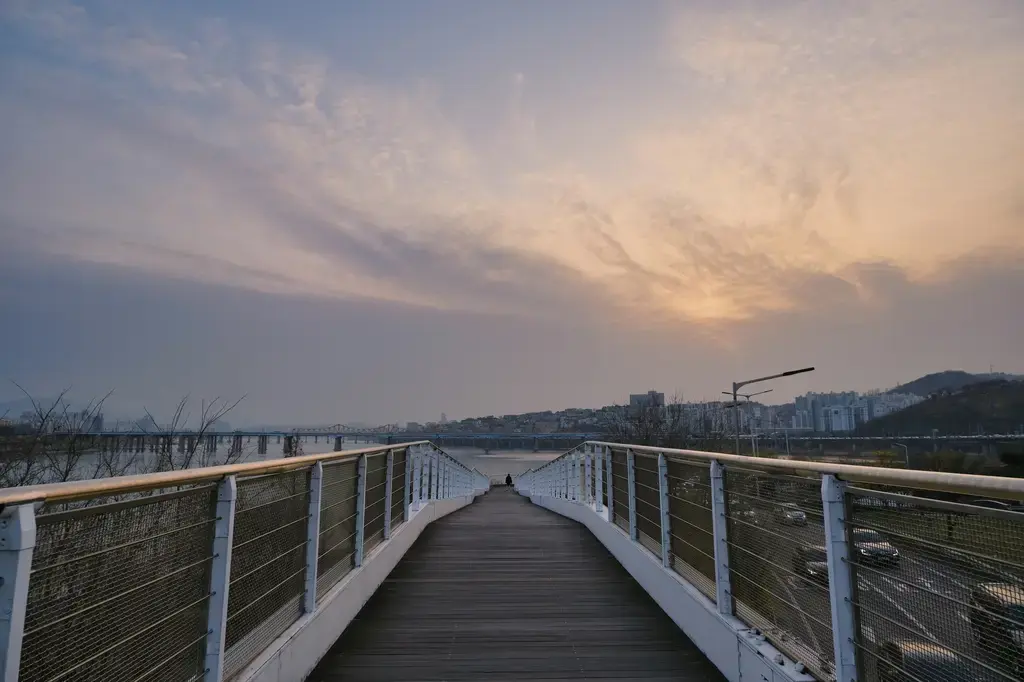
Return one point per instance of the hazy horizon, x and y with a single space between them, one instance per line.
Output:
381 212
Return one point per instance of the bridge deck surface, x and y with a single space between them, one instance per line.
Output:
502 589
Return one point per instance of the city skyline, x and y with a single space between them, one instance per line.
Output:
392 210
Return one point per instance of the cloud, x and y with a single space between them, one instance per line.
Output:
830 151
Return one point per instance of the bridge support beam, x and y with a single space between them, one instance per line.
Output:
840 578
220 580
316 484
719 525
17 542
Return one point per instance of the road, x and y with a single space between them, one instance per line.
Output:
925 597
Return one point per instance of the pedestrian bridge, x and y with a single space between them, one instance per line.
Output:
610 562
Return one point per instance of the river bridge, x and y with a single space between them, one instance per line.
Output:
612 561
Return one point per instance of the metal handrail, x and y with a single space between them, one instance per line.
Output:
764 522
75 490
998 487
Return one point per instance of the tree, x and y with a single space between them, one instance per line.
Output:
54 445
673 425
196 451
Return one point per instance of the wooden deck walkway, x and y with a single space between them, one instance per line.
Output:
502 589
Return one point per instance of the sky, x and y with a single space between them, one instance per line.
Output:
350 211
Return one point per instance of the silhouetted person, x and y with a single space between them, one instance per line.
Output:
508 480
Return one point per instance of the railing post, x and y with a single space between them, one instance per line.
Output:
434 474
840 578
418 476
666 536
723 585
17 541
316 482
360 510
598 477
442 478
574 488
610 482
567 472
388 492
407 491
587 473
631 485
220 579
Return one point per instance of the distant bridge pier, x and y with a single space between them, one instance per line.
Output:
289 446
236 446
211 444
261 445
337 443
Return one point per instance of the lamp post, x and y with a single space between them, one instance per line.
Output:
736 406
906 454
737 385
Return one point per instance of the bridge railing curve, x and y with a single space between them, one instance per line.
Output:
856 573
191 574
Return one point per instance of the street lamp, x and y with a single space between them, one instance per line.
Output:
737 385
906 454
736 406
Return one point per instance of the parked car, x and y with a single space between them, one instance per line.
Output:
913 661
811 562
997 621
788 514
873 549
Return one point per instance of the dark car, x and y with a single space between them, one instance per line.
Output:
811 562
788 514
910 661
873 549
997 621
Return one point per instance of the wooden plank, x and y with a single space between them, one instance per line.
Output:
502 589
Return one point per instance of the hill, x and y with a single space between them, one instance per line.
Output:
994 406
950 380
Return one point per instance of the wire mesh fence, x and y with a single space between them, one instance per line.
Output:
648 501
939 588
119 586
620 490
337 524
120 591
691 532
398 478
777 562
376 483
267 563
937 578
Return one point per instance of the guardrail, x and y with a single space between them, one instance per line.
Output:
858 573
189 575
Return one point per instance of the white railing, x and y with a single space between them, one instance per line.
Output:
856 573
190 575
